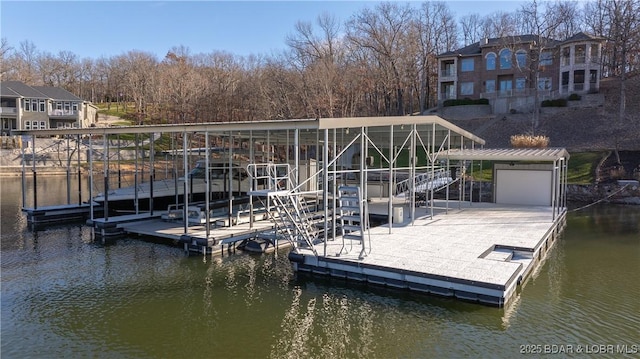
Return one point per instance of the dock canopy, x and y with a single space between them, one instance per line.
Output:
509 154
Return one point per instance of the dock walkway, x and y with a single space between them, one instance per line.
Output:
479 252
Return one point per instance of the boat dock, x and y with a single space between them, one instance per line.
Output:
479 252
45 215
316 184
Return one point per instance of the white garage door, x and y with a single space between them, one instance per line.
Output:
523 187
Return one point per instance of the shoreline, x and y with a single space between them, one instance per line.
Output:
611 192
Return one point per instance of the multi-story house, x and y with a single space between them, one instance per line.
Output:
514 71
26 107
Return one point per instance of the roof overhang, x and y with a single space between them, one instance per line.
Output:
509 154
378 127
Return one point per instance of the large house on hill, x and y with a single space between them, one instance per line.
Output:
26 107
514 69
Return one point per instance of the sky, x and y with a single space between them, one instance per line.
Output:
95 29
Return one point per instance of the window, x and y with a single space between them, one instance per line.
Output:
506 85
466 88
491 61
466 65
34 105
581 51
520 84
42 106
27 125
505 59
74 107
521 58
595 54
67 107
565 56
490 86
58 105
43 125
546 58
27 105
593 76
544 83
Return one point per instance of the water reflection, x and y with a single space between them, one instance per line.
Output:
73 297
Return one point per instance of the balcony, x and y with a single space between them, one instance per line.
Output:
8 110
63 113
447 73
515 93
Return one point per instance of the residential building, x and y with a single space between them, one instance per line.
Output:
514 71
24 107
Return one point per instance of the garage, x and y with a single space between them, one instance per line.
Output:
519 184
522 176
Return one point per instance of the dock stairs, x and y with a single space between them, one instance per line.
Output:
288 207
354 220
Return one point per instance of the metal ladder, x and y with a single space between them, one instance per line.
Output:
286 205
354 218
294 220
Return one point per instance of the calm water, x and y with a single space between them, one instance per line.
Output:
65 295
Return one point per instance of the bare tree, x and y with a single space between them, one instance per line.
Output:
471 28
431 30
4 53
316 56
383 32
542 22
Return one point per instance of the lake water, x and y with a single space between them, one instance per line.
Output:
66 295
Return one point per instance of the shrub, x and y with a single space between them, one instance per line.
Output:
574 97
560 102
529 141
465 101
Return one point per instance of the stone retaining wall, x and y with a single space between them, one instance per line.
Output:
607 193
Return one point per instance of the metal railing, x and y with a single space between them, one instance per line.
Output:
8 110
421 181
59 112
515 93
447 73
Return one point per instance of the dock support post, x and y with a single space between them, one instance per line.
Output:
79 171
391 181
207 184
448 171
105 154
24 178
119 159
152 171
432 159
325 186
91 178
35 184
186 182
136 201
68 172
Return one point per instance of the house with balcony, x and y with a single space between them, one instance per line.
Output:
515 72
25 107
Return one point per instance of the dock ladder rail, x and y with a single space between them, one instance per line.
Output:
286 205
424 182
354 219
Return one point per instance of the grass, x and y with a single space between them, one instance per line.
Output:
582 168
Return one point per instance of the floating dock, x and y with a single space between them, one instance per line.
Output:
46 215
481 252
315 184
